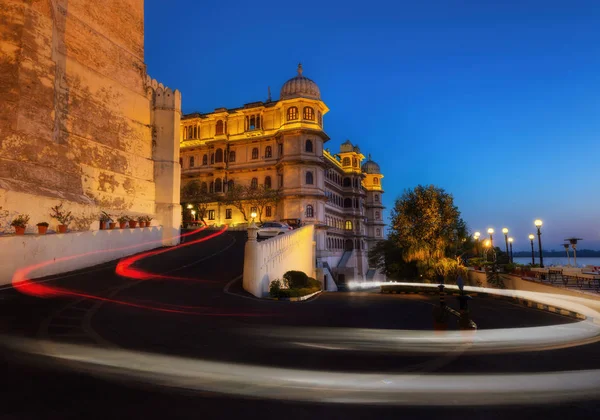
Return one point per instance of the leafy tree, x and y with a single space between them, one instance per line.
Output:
193 193
236 196
427 226
262 196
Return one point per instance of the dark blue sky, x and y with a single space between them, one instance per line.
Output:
498 102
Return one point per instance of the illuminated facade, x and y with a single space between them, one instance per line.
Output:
280 144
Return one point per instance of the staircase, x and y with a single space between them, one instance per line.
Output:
371 274
344 259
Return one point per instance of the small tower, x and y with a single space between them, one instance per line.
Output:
374 204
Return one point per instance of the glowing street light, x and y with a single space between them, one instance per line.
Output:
491 231
510 241
190 206
253 215
476 235
538 224
505 231
531 237
487 243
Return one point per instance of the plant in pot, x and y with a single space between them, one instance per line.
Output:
20 223
122 221
64 217
104 220
142 221
132 222
42 227
148 220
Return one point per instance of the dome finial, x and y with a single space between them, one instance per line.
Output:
299 69
369 156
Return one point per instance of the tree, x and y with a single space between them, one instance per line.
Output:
236 196
386 256
262 196
193 193
427 226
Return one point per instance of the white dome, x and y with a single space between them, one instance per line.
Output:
300 87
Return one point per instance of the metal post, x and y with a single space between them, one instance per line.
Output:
574 254
506 242
568 256
532 254
540 246
511 254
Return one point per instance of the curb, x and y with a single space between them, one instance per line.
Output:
296 299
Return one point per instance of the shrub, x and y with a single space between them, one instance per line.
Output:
275 288
295 279
20 221
58 213
43 224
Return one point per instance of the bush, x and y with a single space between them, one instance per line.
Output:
275 288
295 279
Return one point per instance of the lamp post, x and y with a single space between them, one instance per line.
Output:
531 237
538 224
510 241
573 242
476 235
486 244
505 231
568 256
491 231
253 215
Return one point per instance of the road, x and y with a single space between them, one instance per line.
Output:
198 311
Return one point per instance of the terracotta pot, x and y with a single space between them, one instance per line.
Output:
132 223
62 228
19 230
122 225
42 230
102 225
112 225
142 224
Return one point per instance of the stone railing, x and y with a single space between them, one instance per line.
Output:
269 260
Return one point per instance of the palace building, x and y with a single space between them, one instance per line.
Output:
281 144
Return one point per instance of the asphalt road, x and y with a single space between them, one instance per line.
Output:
199 310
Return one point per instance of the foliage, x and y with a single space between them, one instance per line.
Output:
105 217
475 262
64 217
123 218
510 267
20 221
294 284
274 288
295 279
427 226
236 197
193 193
45 224
260 197
386 256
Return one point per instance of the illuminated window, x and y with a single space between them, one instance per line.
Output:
346 161
254 183
211 215
255 153
309 146
348 224
205 160
228 213
268 211
232 156
218 185
191 161
253 122
309 178
267 182
219 128
190 132
309 211
309 113
219 155
268 152
292 113
376 181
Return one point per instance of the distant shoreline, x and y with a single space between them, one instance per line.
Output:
583 253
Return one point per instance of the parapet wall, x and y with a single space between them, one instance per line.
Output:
271 259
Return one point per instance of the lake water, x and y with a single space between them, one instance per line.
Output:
581 262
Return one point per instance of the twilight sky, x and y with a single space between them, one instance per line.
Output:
498 102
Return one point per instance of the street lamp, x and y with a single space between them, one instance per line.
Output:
491 231
538 225
487 243
193 215
476 235
510 241
253 215
531 237
505 231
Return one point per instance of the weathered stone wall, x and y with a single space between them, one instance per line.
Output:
75 109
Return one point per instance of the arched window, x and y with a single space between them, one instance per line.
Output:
219 155
355 162
267 182
211 188
292 113
254 183
203 187
190 132
252 123
268 152
347 182
320 118
218 185
347 203
191 161
196 132
377 215
377 198
348 224
212 158
255 153
309 178
232 156
219 128
205 160
309 146
346 161
309 113
185 133
309 211
376 181
378 232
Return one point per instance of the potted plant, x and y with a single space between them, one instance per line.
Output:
42 227
63 217
132 222
20 223
148 221
104 220
142 221
122 221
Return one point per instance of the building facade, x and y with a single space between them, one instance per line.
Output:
281 144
